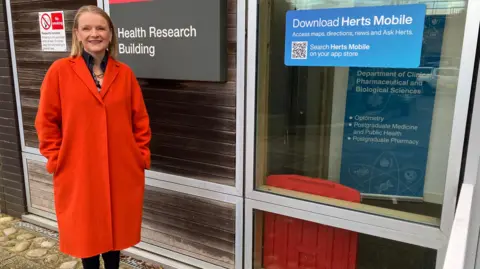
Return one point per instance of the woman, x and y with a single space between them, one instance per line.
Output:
93 128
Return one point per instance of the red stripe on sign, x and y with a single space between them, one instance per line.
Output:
113 2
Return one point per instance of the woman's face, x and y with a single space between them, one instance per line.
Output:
93 32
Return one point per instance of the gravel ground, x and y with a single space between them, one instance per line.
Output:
27 246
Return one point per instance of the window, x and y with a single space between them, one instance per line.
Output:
327 134
286 242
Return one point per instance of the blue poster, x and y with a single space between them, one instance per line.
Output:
360 36
388 118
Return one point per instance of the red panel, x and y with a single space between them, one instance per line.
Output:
268 249
296 244
315 186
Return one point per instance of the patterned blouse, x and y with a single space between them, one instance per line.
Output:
89 60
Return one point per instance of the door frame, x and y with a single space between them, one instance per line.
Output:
431 236
471 176
463 250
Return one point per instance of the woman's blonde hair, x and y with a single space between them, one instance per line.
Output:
77 46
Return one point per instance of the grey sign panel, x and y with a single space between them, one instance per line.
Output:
172 39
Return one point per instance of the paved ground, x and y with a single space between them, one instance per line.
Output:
26 246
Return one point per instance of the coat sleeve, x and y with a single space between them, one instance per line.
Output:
141 122
48 120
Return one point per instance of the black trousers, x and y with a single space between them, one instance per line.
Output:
111 260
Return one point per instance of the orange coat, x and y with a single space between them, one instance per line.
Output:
97 146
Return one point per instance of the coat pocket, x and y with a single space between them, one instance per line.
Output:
138 153
59 161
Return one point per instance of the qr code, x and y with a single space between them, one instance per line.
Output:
299 49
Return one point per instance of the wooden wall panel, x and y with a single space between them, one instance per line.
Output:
193 123
12 186
190 225
32 63
41 186
198 227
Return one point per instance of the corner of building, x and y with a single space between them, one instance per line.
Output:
12 186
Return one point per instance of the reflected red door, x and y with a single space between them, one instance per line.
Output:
292 243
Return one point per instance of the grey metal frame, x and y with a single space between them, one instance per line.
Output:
25 157
462 100
463 249
237 190
240 90
471 179
404 231
343 223
192 186
14 71
238 201
226 198
459 123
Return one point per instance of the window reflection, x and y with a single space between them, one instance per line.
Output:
317 123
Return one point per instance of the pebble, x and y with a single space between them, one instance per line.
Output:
5 219
9 244
36 253
40 249
21 246
51 258
38 240
68 265
47 244
25 236
9 231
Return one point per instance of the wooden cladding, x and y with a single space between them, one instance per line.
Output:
193 123
198 227
40 184
183 223
32 62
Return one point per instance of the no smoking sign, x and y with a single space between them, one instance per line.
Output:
45 21
52 31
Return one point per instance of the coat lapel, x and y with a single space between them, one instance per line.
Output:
110 75
79 66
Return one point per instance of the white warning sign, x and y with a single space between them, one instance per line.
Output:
52 31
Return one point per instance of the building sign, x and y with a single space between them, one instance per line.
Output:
172 39
52 31
388 118
360 36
